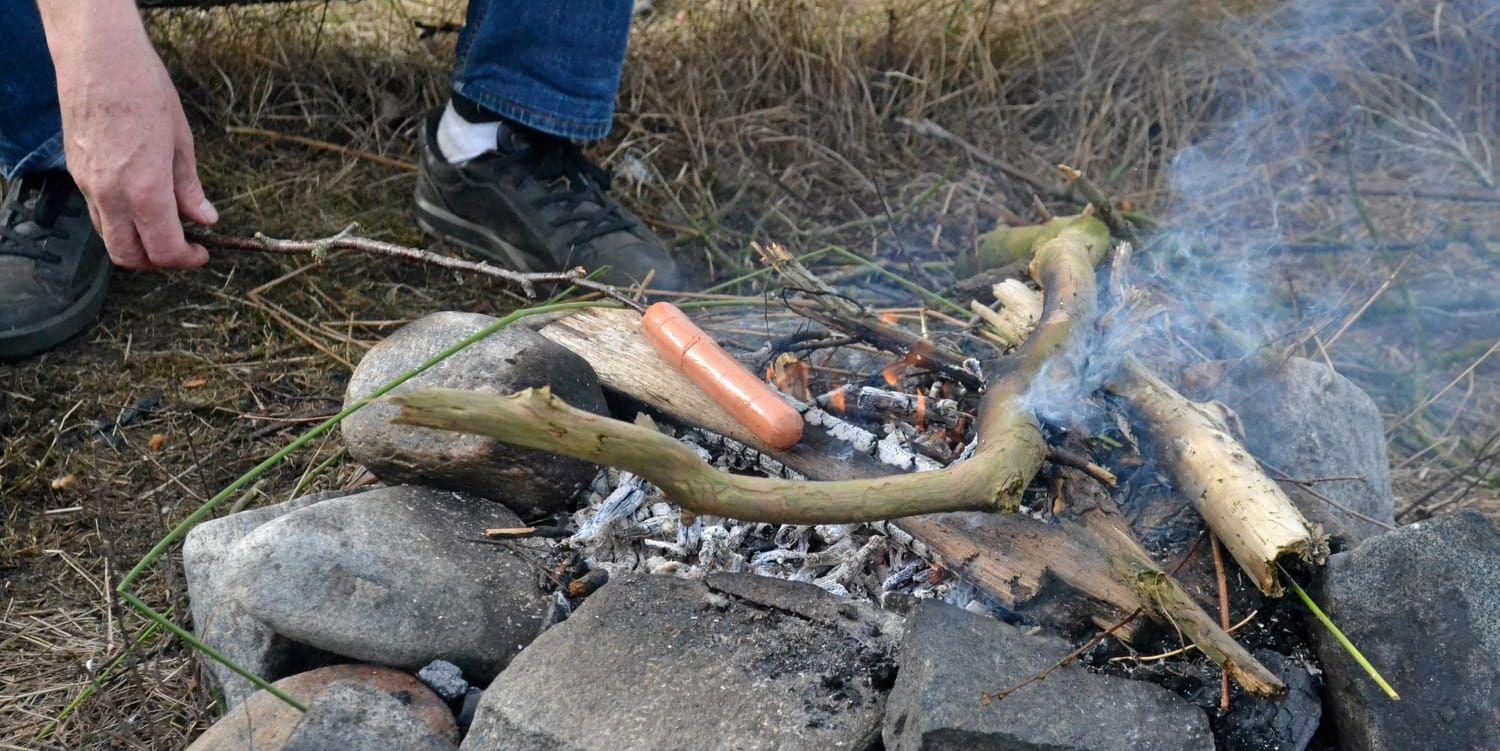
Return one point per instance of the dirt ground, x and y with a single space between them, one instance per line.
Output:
738 122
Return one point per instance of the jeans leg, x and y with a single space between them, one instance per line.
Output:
30 126
552 65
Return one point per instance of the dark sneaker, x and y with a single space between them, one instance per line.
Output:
535 203
53 267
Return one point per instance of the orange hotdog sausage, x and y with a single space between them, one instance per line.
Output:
696 355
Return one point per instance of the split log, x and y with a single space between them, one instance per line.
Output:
1093 516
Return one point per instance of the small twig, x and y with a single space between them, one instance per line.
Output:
1223 614
1066 458
513 533
1184 649
1306 485
930 129
314 143
986 698
1395 191
1101 202
345 240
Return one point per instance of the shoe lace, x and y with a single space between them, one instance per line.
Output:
575 185
27 220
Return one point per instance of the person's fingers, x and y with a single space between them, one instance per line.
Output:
192 204
120 238
160 230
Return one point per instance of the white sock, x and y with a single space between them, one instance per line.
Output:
460 140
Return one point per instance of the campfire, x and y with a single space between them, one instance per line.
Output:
906 431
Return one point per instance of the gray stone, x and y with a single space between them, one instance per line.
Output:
508 361
654 662
951 658
220 623
1310 422
351 716
1423 605
392 576
445 679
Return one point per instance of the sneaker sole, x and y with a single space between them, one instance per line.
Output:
43 335
444 225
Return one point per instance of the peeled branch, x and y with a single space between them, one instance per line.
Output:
1249 512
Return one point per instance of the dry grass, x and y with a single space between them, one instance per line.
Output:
742 122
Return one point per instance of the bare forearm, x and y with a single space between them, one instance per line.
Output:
77 29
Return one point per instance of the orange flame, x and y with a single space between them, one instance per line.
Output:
892 373
889 318
836 401
921 412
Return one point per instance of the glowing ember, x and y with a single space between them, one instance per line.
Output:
921 413
888 318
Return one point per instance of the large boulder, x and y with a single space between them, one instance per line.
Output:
392 576
654 662
1423 605
952 659
1311 423
507 361
352 716
220 623
264 722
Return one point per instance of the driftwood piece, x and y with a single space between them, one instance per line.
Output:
1093 516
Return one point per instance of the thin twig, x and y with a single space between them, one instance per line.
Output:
1223 613
1066 458
345 240
1184 649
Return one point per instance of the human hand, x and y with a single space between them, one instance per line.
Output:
125 135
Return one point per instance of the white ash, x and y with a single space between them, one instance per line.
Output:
622 502
858 438
627 525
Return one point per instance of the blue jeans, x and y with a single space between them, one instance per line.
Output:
552 65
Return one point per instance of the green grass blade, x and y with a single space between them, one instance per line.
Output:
1339 636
